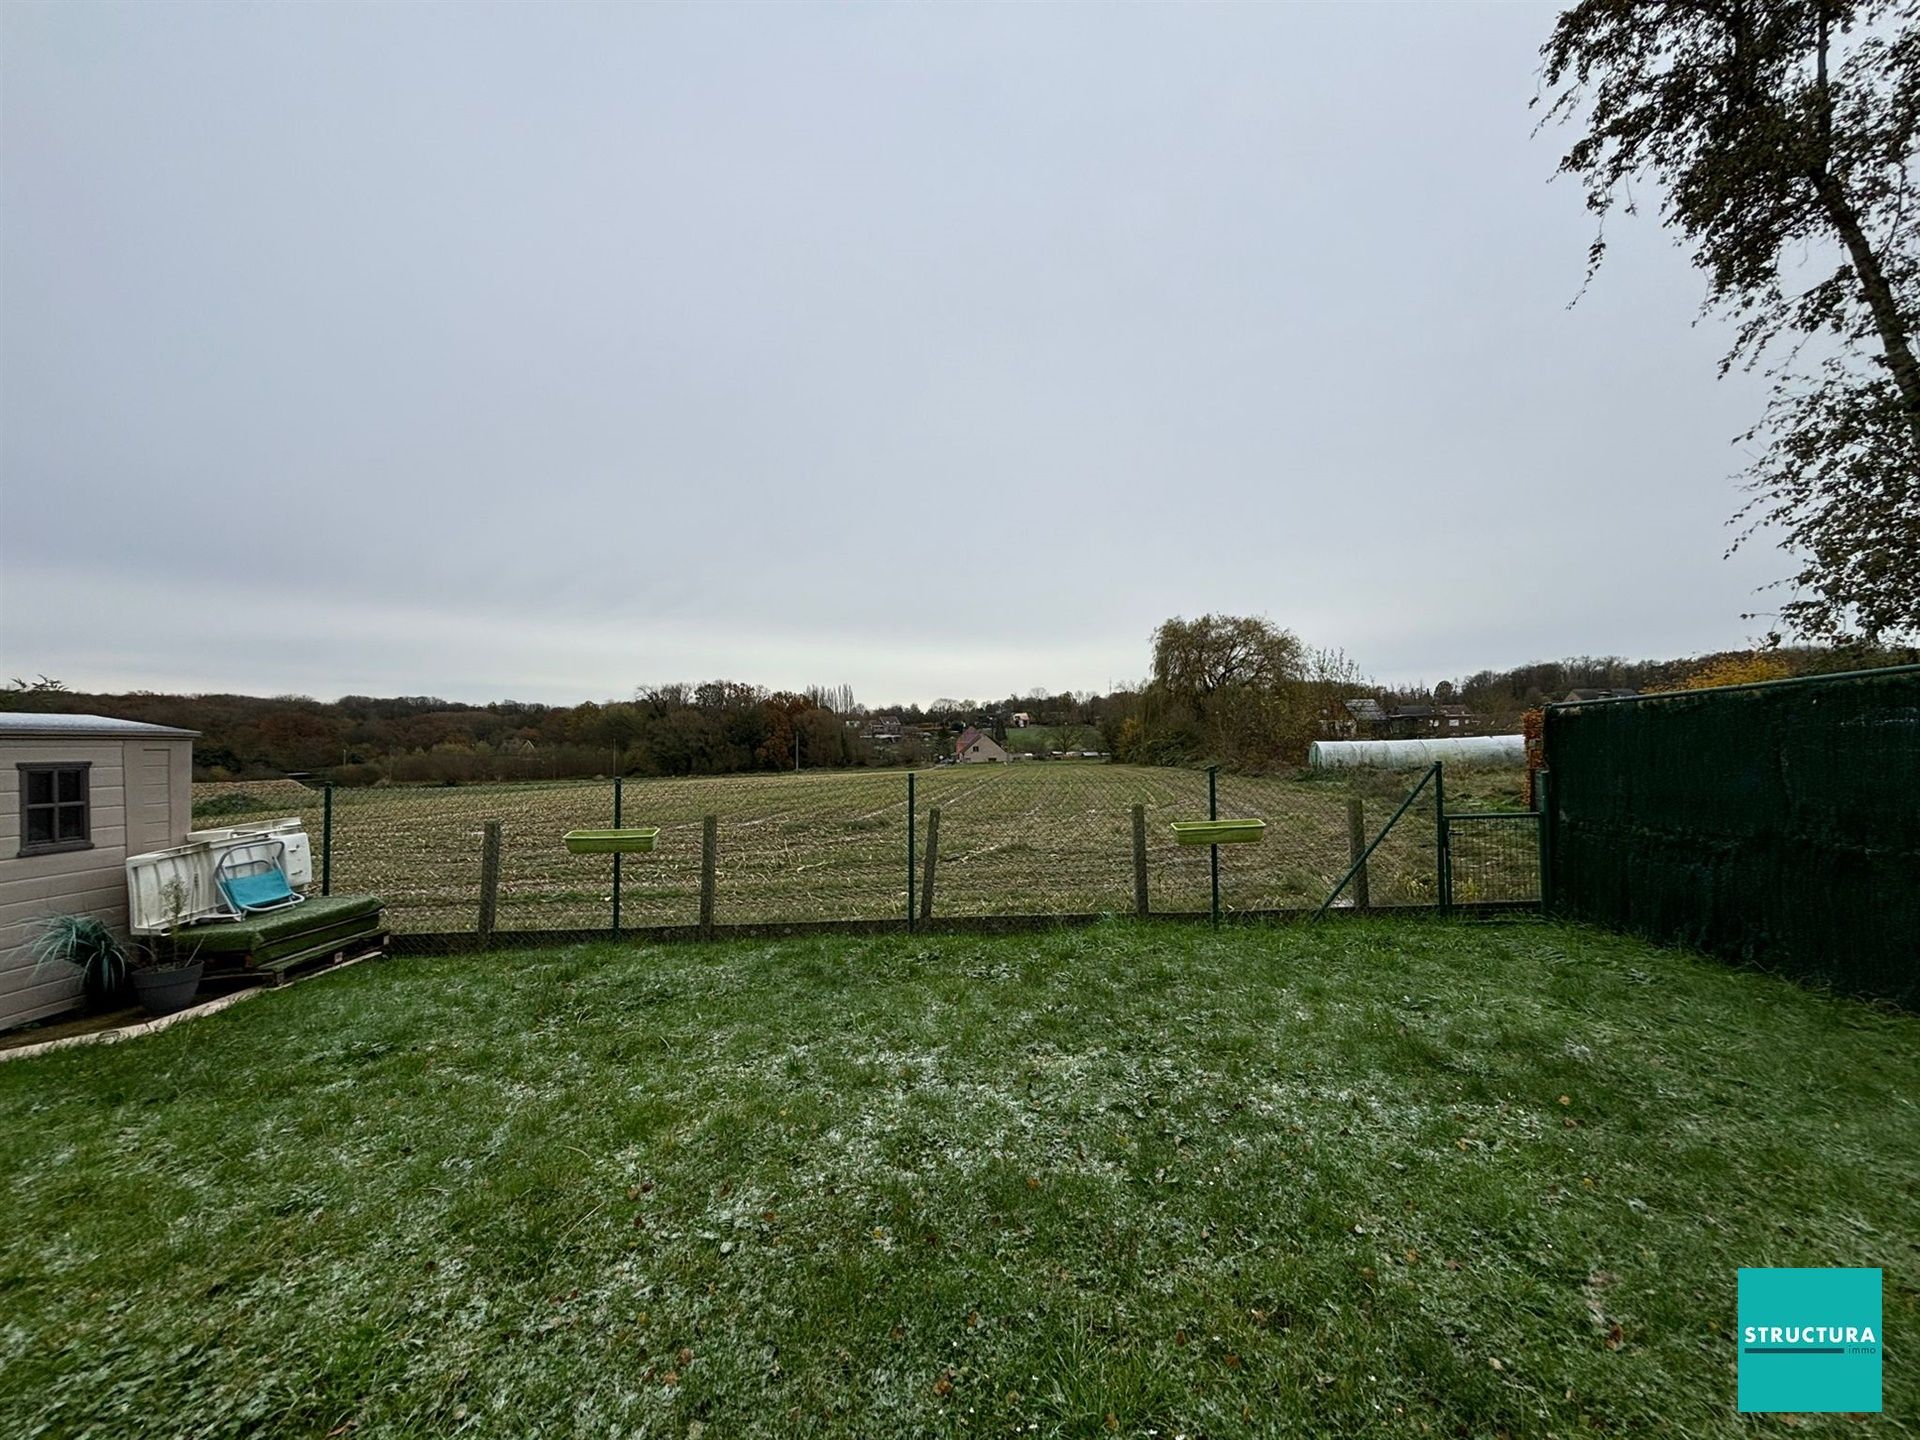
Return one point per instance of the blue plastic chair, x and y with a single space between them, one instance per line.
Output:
253 878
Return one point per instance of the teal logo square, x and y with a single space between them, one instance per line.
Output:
1809 1340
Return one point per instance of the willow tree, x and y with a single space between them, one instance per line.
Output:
1237 688
1780 139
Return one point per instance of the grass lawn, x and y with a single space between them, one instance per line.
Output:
1366 1177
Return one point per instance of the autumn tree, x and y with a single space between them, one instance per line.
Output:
1194 659
1779 137
782 712
1736 670
1236 688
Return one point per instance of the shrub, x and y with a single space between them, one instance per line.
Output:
234 802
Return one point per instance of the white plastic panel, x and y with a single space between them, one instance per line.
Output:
148 905
150 908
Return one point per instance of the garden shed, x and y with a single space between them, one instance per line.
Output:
78 794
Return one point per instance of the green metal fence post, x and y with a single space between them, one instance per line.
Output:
910 875
617 782
326 839
1213 851
1443 869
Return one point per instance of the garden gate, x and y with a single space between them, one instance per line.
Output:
1480 857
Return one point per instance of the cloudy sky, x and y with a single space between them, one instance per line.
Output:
542 351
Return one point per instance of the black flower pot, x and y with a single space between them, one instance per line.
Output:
106 991
166 992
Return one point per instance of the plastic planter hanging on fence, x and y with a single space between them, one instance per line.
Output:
611 842
1219 832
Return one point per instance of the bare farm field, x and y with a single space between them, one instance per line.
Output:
1034 839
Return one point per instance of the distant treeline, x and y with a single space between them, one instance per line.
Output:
1222 687
1502 696
718 728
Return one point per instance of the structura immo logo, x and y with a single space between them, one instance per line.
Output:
1809 1340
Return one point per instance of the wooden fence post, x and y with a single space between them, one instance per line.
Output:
709 849
1140 861
489 882
1356 847
933 860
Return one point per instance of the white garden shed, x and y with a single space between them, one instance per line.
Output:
78 794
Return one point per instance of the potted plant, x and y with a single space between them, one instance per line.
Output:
164 980
87 945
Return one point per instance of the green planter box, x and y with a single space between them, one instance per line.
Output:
611 842
1219 832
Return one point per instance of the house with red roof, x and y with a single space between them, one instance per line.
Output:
976 747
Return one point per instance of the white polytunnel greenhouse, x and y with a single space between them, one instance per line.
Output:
1416 754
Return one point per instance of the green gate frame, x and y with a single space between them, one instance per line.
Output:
1437 779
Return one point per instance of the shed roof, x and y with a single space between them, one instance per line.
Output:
25 725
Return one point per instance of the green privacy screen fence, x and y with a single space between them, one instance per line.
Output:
1776 823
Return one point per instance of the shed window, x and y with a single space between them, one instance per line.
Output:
54 809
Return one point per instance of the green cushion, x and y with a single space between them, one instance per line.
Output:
320 912
346 932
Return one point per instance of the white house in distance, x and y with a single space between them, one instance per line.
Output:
78 794
973 747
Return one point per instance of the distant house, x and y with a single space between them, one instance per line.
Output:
1411 720
885 729
1021 719
1362 715
1423 720
1601 694
975 747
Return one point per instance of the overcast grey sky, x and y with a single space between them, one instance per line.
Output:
542 351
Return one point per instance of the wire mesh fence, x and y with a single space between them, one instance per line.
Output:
1493 859
1028 839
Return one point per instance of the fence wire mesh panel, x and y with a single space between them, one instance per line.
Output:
218 804
1031 838
1392 834
419 847
1041 837
1494 859
1179 877
1778 823
660 886
1311 840
826 846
